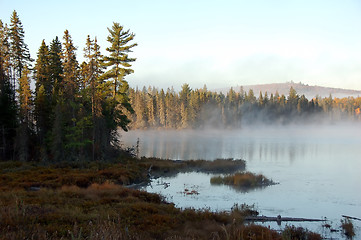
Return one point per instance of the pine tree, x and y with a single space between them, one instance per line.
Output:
119 63
161 108
43 95
55 67
184 96
151 109
139 110
69 83
95 89
118 60
20 55
24 130
172 108
5 61
8 115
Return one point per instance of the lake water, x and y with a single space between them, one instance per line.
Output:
318 168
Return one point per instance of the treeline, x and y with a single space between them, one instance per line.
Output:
201 108
76 109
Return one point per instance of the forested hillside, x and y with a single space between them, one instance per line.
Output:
302 89
201 108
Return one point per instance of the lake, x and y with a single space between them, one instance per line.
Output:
317 168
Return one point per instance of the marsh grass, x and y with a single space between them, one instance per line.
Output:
293 233
161 167
90 202
347 228
243 180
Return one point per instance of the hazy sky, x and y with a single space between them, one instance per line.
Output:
217 43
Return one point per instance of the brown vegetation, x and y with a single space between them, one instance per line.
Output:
292 232
169 167
347 228
243 180
57 202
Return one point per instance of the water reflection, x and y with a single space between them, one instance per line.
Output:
187 145
317 168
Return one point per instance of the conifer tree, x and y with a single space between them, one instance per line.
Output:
95 89
8 115
43 94
5 60
161 108
55 67
24 130
20 55
118 65
69 83
184 96
118 59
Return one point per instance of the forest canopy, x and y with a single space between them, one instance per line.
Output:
201 108
76 109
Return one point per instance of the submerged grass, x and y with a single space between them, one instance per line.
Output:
243 180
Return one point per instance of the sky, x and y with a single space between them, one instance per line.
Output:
213 43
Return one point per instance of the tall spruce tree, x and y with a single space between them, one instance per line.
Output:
55 67
43 97
25 128
8 115
95 87
65 122
5 60
69 85
19 53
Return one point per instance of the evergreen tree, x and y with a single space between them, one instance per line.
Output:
184 96
55 67
24 130
69 100
119 63
118 59
19 53
5 60
70 85
172 108
95 87
43 96
161 108
8 115
292 99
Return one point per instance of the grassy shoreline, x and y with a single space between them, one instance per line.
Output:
89 201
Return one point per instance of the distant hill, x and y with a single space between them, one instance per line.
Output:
284 88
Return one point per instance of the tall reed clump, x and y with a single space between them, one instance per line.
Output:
243 180
292 233
347 228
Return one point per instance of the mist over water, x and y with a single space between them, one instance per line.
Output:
318 167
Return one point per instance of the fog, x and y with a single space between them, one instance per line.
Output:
247 143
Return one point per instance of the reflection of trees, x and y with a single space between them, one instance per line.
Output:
198 145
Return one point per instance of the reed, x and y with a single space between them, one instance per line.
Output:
243 180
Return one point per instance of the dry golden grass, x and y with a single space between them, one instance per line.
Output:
58 202
243 180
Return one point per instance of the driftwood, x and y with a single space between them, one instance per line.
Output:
354 218
280 219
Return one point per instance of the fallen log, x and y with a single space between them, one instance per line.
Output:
281 219
354 218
